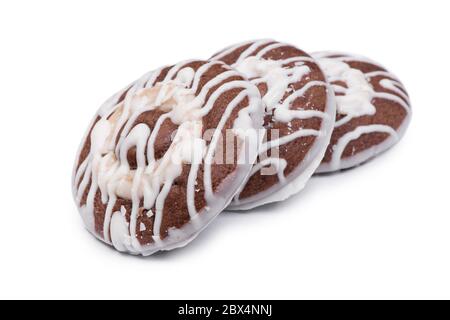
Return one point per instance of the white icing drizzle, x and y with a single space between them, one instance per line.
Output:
395 86
345 57
278 78
278 163
286 139
356 100
119 232
254 45
339 148
217 134
107 169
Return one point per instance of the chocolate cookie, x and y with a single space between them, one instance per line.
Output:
373 109
299 119
151 172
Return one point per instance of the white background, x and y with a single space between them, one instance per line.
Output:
379 231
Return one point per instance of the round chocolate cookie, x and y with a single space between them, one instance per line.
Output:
300 113
150 173
373 109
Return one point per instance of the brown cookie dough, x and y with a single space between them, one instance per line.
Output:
148 176
373 109
299 118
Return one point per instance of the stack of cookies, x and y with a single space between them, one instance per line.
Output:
250 126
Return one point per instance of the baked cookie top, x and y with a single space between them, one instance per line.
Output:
373 109
154 167
299 117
